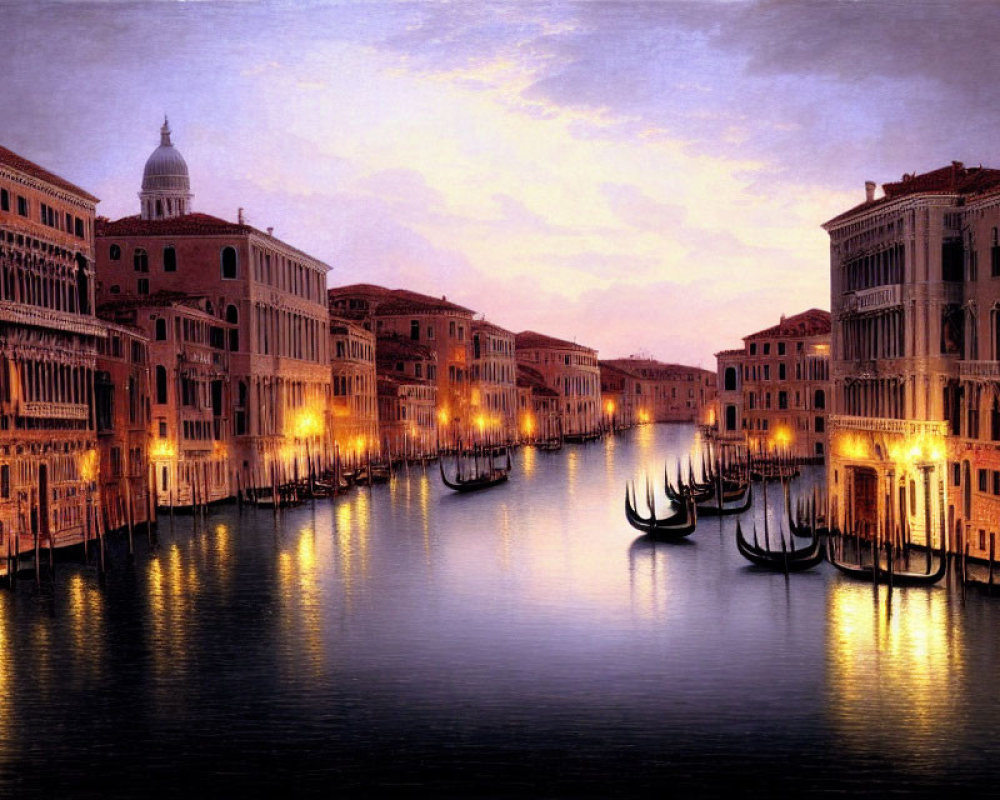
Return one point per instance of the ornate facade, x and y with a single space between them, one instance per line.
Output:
355 395
571 369
494 382
49 335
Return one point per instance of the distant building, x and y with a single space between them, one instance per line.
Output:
408 408
355 391
539 405
783 377
493 402
189 427
121 403
666 392
443 327
271 295
571 369
48 348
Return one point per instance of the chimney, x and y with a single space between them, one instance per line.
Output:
869 191
270 231
239 216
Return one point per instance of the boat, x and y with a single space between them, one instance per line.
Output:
783 560
550 445
582 438
876 572
721 510
483 479
678 525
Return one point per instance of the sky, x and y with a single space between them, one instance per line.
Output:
640 177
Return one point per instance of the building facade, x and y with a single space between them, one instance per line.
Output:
784 377
122 410
48 349
571 370
911 303
271 294
355 391
493 401
668 392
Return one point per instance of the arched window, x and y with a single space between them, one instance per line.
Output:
233 317
161 385
229 263
116 253
169 259
82 285
820 399
161 330
140 260
730 379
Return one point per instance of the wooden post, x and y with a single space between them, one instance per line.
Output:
992 545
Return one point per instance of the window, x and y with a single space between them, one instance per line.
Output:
229 263
767 372
115 253
5 206
22 206
753 349
5 481
163 430
430 331
819 425
730 418
730 380
169 259
783 400
233 318
78 228
451 328
415 329
781 348
767 348
781 372
143 286
820 399
161 385
983 480
140 260
161 330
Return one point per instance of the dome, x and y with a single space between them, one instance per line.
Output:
165 169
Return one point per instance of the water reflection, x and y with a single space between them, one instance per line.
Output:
896 665
529 456
8 678
172 586
649 585
86 611
302 608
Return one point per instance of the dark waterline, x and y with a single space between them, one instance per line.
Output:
517 642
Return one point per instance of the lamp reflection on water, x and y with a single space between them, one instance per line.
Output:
301 600
529 463
86 611
896 667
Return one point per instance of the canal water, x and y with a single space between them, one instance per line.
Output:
520 641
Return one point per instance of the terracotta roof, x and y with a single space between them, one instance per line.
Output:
649 367
484 325
737 352
956 179
530 339
11 159
530 378
814 322
394 301
185 225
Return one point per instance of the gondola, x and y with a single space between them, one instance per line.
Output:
484 480
795 523
783 560
550 445
676 526
718 510
872 572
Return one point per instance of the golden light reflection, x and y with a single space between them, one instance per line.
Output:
170 589
504 544
8 676
529 464
896 665
528 425
572 468
305 422
302 607
86 610
913 451
643 416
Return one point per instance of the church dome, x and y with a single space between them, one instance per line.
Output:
165 169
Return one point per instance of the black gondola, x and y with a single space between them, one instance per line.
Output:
725 511
492 476
783 560
676 526
876 572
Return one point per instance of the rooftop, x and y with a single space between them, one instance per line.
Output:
395 301
530 378
11 159
530 339
814 322
955 179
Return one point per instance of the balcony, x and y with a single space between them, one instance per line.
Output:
874 299
988 370
22 314
898 427
43 410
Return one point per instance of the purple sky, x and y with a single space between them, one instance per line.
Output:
640 177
